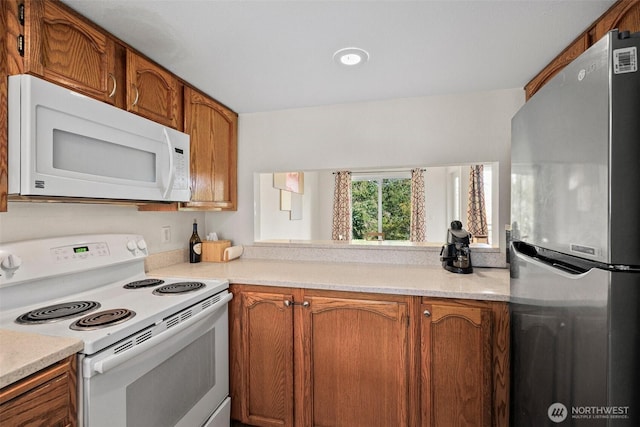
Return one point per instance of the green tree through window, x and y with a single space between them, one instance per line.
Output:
381 204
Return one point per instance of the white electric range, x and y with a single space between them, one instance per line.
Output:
146 339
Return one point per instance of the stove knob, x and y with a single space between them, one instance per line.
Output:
142 245
11 262
131 245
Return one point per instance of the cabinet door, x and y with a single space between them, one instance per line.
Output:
456 366
64 48
46 398
355 354
263 392
624 15
214 157
153 92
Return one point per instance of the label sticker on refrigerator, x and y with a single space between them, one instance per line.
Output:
582 249
625 60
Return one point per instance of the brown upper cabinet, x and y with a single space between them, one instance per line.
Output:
153 92
214 152
66 49
61 47
624 15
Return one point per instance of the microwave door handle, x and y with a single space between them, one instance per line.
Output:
171 171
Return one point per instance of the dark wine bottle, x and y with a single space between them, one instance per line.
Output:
195 244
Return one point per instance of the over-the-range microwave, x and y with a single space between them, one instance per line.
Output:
64 144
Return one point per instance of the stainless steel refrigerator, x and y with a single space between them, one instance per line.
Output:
575 250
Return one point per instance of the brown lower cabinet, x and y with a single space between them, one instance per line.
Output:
303 357
464 363
46 398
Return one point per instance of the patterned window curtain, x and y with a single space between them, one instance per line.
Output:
418 223
477 213
341 229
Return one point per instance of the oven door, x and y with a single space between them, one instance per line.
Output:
176 381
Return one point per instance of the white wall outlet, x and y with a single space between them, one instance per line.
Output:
165 234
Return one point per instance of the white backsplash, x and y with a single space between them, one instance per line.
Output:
27 220
367 253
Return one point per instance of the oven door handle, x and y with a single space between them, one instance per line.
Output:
111 362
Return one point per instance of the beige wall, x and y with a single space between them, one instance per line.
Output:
426 131
405 132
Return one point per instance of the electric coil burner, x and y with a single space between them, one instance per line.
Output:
145 283
179 288
57 312
102 319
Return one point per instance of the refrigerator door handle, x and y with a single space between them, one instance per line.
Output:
566 268
556 268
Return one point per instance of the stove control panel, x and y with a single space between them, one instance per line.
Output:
80 252
44 258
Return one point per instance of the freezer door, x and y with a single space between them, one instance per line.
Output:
574 345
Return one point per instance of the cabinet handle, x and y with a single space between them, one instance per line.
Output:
304 304
427 313
115 85
135 101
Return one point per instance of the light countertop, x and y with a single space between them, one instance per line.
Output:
490 284
22 354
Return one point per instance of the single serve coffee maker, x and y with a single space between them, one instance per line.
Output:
455 255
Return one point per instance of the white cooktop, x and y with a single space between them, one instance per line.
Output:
88 268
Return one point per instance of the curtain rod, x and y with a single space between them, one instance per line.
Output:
382 171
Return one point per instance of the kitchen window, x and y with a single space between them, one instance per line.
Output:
457 199
381 202
381 206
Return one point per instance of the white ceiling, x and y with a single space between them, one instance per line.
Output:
267 55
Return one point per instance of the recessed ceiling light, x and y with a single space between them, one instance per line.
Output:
351 56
